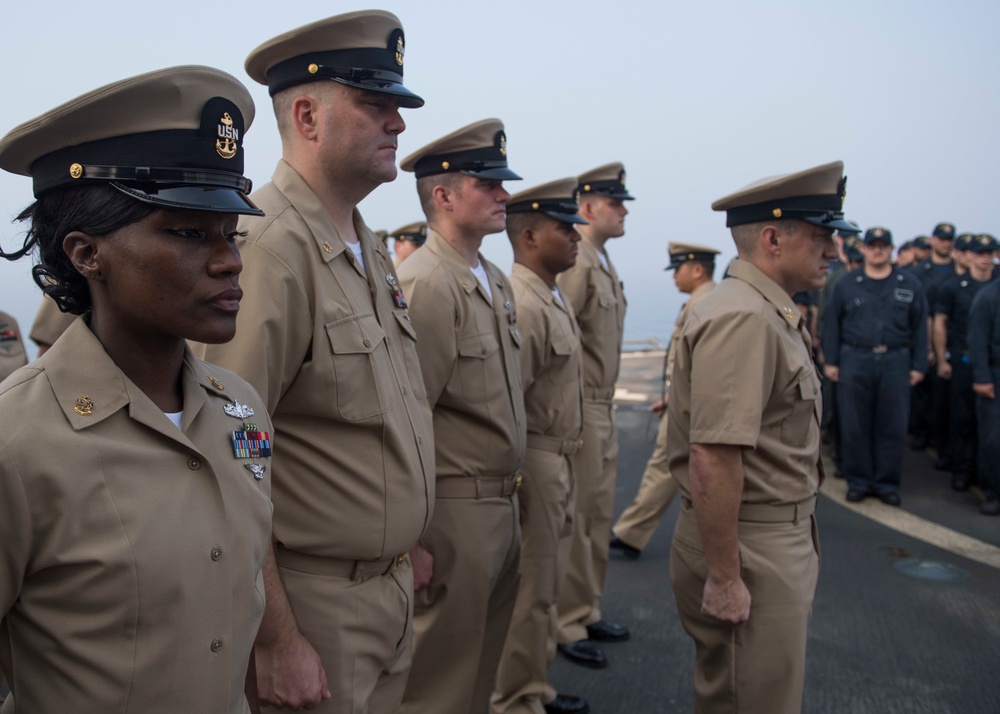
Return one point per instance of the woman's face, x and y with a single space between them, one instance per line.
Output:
173 274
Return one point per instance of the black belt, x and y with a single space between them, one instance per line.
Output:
878 349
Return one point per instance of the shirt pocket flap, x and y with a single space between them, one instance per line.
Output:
478 346
359 334
808 389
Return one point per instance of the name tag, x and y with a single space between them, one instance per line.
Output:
904 295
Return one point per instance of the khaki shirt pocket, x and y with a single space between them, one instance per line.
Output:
797 427
478 369
409 339
361 368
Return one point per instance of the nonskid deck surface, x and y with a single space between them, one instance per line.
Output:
907 612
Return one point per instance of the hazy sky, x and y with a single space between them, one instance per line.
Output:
697 99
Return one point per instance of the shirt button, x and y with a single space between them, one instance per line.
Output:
216 645
194 464
216 553
404 391
367 342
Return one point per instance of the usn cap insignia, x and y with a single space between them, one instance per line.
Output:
400 50
229 136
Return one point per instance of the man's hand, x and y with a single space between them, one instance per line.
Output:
943 370
832 372
728 601
916 377
290 674
423 567
986 391
659 408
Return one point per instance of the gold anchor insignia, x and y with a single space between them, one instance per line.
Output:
503 145
84 406
226 144
789 313
622 179
400 51
217 384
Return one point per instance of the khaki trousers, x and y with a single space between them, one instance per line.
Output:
546 498
595 467
362 631
460 621
758 668
638 522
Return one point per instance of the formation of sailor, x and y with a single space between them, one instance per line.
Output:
432 523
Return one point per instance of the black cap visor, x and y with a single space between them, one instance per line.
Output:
500 173
830 219
197 198
406 98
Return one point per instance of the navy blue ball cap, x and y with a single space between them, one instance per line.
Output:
363 49
555 199
172 138
479 149
878 234
944 231
983 243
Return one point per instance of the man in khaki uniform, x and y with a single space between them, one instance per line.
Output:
593 288
325 338
407 239
743 445
463 310
50 322
540 224
12 354
693 266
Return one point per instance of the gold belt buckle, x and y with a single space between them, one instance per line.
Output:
880 349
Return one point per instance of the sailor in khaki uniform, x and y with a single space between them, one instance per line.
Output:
593 288
540 224
407 239
463 310
134 478
325 337
12 354
743 445
693 267
50 322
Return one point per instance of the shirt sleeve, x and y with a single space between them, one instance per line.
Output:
15 531
831 326
918 327
980 323
434 314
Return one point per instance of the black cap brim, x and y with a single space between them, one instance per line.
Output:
196 198
837 223
565 217
497 174
406 98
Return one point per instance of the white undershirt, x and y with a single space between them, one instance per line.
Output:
558 297
356 249
480 272
175 417
604 260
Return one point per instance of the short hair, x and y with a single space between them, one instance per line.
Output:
425 189
745 235
707 265
94 209
282 102
517 223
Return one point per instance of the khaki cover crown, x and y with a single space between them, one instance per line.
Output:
608 180
681 253
479 149
555 199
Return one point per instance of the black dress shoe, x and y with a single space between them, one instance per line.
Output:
604 631
584 652
960 482
567 704
942 465
627 550
990 507
856 495
890 498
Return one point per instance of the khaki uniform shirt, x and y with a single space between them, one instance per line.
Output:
599 303
744 375
696 295
551 361
131 551
12 354
50 322
468 349
333 354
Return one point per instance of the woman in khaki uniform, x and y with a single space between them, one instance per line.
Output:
134 484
